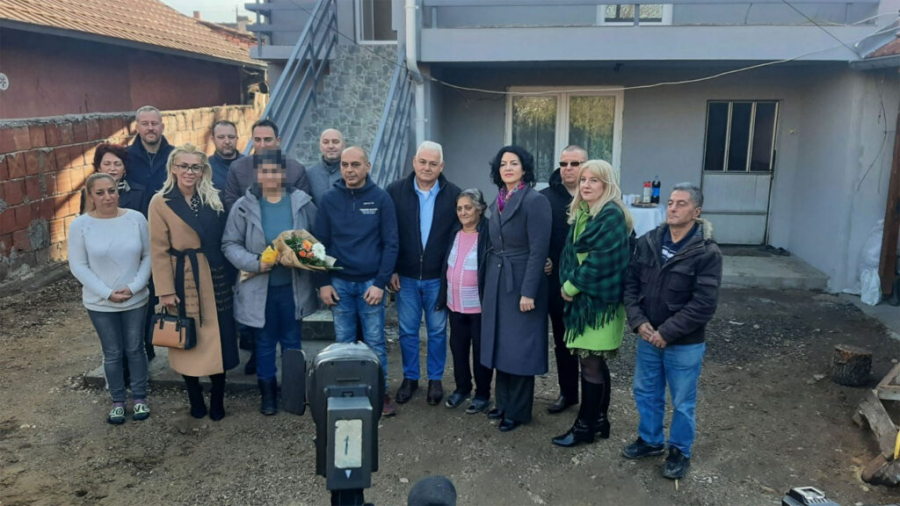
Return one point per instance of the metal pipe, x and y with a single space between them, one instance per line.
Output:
412 33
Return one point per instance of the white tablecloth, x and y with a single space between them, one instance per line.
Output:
647 218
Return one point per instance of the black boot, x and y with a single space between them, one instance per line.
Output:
195 395
583 429
268 389
601 426
217 397
579 433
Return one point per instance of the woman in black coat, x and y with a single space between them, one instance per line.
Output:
112 159
514 306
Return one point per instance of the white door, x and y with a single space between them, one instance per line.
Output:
737 169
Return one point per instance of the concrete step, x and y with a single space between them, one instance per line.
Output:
771 272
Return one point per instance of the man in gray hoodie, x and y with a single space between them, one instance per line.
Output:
324 174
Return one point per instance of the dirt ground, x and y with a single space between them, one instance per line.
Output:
765 424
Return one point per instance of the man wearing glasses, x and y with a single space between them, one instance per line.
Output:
563 185
148 154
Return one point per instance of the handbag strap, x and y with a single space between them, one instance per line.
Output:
180 255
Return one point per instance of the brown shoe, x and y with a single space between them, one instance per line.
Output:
389 408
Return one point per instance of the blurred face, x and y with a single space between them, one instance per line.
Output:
467 212
591 187
270 176
104 196
569 165
112 165
225 139
331 144
511 171
150 127
264 138
428 166
681 211
188 168
354 168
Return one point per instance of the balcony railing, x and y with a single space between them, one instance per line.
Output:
392 138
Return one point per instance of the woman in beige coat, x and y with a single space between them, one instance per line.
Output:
186 224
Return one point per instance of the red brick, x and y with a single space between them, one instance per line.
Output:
8 222
132 127
57 231
74 202
76 155
14 192
88 171
33 188
79 132
66 134
69 220
23 216
48 161
21 241
120 127
93 129
60 206
52 135
45 210
21 138
7 144
89 150
6 242
16 163
37 136
64 181
62 158
2 194
4 168
32 163
76 175
50 185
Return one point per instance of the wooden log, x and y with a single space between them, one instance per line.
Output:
889 388
882 472
851 365
872 411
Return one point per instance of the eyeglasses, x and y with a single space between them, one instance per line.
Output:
189 168
569 164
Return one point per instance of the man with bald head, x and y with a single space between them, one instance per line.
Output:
357 224
324 174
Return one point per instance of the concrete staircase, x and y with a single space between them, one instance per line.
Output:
351 99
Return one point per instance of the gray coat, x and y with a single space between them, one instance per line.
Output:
512 341
242 243
322 177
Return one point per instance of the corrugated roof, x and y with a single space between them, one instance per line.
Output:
148 22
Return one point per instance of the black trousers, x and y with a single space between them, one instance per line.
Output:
566 363
465 336
515 396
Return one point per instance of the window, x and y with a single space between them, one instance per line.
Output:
373 22
659 14
545 124
740 136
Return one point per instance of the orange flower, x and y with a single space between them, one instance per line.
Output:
307 245
302 254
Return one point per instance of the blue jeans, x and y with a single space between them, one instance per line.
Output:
414 297
679 367
122 338
280 327
372 317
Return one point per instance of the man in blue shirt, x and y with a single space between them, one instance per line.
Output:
225 137
426 213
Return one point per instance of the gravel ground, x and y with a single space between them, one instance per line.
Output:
766 423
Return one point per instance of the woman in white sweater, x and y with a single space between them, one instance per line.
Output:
109 253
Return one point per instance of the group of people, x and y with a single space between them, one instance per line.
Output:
494 272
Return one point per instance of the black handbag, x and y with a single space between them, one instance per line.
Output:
173 331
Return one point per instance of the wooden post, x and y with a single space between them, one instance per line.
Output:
888 264
851 365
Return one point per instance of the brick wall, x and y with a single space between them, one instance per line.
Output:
45 161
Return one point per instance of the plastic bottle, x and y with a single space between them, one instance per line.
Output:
654 199
648 192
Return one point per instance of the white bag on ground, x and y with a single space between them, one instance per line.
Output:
870 287
869 259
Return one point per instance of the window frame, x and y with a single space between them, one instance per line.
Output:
751 134
666 17
562 114
358 21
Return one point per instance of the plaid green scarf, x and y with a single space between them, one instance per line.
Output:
601 276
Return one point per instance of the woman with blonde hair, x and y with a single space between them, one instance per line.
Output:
592 275
186 224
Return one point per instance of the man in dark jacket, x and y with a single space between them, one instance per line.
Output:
563 185
148 154
671 293
324 174
426 212
357 224
225 138
263 135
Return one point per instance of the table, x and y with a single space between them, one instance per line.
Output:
647 218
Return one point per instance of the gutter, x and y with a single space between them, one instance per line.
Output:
412 50
882 62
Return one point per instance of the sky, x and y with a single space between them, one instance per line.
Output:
221 11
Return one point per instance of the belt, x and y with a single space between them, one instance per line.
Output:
506 257
190 254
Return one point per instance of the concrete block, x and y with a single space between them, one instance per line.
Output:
775 273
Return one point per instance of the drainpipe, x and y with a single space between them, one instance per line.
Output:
412 34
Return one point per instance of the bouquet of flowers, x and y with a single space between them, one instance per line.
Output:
299 249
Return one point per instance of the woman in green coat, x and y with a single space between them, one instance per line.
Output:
592 275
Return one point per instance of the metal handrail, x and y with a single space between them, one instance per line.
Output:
296 88
391 144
